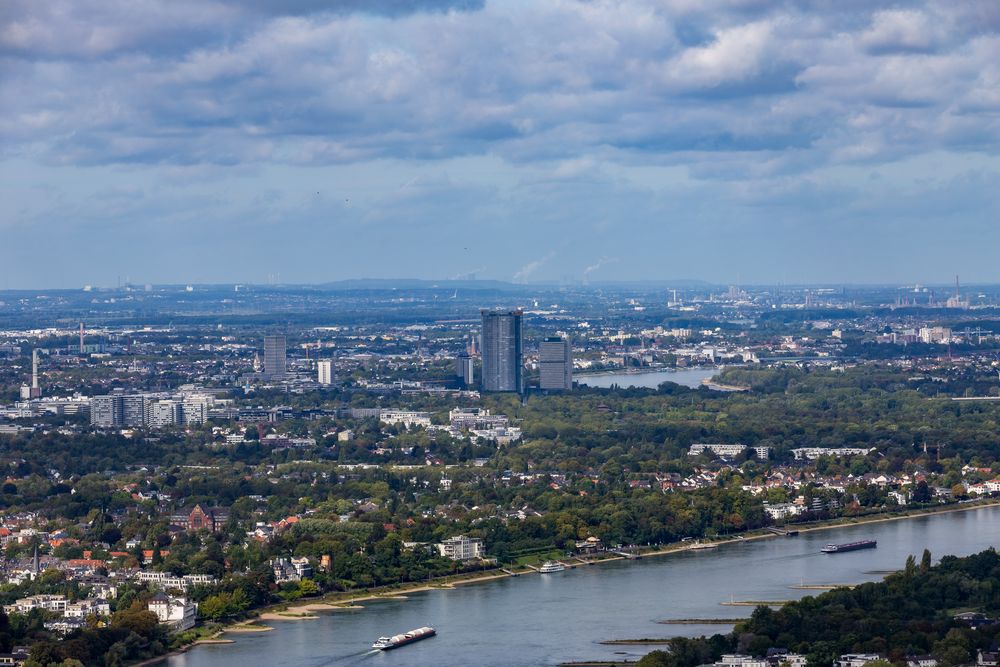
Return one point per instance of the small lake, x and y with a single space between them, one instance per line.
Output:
688 377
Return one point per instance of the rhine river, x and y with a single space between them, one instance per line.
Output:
546 619
688 377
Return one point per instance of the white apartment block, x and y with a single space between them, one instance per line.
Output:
737 660
325 372
813 453
461 547
166 580
407 418
179 613
727 450
856 659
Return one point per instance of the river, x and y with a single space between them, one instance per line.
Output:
688 377
547 619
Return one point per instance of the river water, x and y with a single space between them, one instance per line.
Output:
547 619
688 377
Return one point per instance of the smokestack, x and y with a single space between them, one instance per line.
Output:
81 338
34 370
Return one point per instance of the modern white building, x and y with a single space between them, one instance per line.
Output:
407 418
935 335
325 372
856 659
783 510
738 660
177 612
727 450
461 547
813 453
166 580
164 413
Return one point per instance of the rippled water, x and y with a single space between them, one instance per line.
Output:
547 619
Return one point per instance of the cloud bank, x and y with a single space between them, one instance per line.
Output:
555 123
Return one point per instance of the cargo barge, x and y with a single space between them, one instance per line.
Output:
850 546
387 643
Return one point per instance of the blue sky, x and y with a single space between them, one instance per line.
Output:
225 141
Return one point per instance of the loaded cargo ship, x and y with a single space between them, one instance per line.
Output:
850 546
386 643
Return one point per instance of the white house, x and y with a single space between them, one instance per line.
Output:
461 547
178 613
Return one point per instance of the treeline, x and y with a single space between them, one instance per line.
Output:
910 613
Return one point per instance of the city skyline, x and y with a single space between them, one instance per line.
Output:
733 142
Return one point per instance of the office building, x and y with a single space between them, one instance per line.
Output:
325 371
463 369
274 357
195 409
164 413
106 411
555 364
501 351
134 410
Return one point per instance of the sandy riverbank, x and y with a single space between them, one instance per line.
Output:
342 602
346 602
827 525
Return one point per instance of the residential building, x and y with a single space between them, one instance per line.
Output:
164 413
177 612
935 335
118 410
726 450
738 660
464 369
211 519
783 510
325 372
407 418
106 411
856 659
291 569
555 364
778 657
502 351
813 453
134 410
195 409
166 581
461 547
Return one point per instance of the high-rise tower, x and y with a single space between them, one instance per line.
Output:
325 372
501 351
555 364
274 357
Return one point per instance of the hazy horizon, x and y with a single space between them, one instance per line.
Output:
738 142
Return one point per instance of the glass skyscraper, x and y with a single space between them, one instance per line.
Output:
555 364
501 350
274 356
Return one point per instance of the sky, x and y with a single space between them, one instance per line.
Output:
305 141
